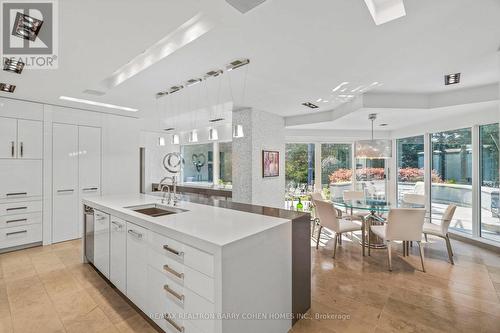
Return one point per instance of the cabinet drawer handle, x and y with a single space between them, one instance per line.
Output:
173 293
63 191
12 152
177 253
16 232
21 149
118 224
18 220
87 189
16 193
135 233
16 208
168 269
173 323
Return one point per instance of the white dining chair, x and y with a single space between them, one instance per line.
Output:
327 215
403 224
353 196
441 230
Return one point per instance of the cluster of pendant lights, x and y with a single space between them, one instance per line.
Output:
12 66
213 134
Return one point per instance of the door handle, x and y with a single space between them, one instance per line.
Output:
16 193
171 250
173 323
17 220
21 149
15 208
135 233
16 232
63 191
117 224
170 270
12 149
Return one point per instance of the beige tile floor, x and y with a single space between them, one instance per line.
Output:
460 298
47 289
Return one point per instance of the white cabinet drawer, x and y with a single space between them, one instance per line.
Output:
183 275
20 219
180 302
15 208
20 179
21 235
189 256
137 265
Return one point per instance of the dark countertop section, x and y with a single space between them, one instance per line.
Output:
261 210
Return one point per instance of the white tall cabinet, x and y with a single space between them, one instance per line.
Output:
21 151
76 173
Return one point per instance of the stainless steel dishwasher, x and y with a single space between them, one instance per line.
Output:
89 233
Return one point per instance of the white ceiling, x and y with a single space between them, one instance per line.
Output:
299 51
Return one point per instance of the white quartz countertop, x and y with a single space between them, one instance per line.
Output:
208 224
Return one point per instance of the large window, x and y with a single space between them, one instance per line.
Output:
299 172
198 166
488 142
336 168
225 162
371 178
410 177
452 180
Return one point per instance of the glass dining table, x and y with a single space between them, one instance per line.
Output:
371 212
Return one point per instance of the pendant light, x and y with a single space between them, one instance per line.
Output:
213 134
175 139
373 149
161 141
238 131
193 136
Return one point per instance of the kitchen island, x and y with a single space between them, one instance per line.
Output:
198 267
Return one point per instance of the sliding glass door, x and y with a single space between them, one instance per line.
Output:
410 177
371 178
489 187
336 169
452 176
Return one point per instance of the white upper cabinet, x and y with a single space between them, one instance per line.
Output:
29 139
8 137
21 138
89 139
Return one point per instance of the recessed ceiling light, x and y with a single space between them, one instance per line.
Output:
213 73
26 27
14 66
5 87
319 100
104 105
310 105
94 92
169 129
175 89
452 79
237 64
325 101
339 86
357 88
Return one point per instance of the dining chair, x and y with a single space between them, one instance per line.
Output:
403 224
327 215
441 230
317 195
353 196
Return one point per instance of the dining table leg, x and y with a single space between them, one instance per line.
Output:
363 231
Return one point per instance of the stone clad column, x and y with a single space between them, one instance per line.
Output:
262 131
